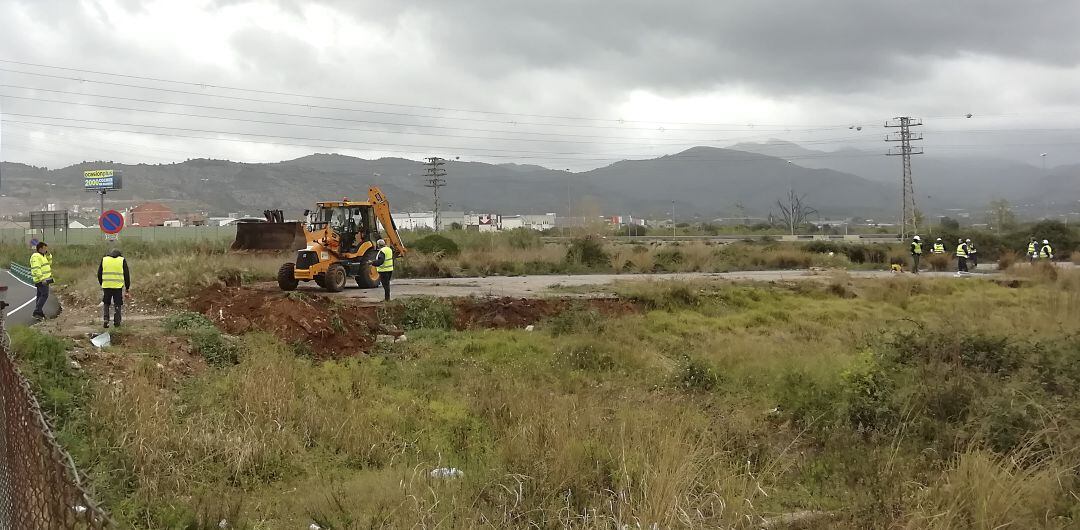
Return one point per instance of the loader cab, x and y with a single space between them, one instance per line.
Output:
352 222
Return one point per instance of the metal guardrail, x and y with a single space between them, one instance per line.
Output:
21 272
39 485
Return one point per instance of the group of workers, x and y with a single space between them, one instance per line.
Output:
115 279
967 254
113 276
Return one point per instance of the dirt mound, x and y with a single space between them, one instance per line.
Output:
328 329
510 313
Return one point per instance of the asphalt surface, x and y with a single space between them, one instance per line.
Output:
580 285
20 299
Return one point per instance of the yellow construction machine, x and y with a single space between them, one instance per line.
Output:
341 238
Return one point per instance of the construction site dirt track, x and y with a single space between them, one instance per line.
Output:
335 327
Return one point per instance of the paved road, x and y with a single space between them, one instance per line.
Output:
20 298
549 285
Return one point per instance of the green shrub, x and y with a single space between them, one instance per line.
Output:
523 238
668 259
807 401
588 356
425 312
577 318
214 348
587 251
868 395
436 244
44 362
697 375
187 320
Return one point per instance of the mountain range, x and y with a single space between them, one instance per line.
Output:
703 182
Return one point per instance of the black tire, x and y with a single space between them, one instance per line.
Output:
286 277
369 280
334 279
320 281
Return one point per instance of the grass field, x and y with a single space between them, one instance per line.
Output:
845 404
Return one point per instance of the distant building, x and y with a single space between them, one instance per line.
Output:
76 224
414 220
150 214
539 222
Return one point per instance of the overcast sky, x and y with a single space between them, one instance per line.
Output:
563 83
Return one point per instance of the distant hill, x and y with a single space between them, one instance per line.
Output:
703 182
940 180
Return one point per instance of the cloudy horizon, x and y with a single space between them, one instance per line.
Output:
561 84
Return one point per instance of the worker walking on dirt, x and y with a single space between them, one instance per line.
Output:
916 252
115 280
41 275
384 265
961 257
939 247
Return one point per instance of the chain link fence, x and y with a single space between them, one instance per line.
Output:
39 485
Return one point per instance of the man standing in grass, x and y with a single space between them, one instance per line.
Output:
916 252
973 257
41 275
384 265
1033 250
939 247
961 257
115 279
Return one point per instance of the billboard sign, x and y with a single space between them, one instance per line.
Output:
102 180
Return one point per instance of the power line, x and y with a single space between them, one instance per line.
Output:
366 102
353 120
338 147
346 109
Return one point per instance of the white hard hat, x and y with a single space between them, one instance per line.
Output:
916 238
939 239
380 242
967 240
1045 242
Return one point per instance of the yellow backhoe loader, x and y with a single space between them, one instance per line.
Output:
341 238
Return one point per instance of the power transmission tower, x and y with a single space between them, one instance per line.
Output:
905 137
434 179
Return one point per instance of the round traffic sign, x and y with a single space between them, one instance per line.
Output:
111 222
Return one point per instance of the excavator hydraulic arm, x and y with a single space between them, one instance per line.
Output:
382 212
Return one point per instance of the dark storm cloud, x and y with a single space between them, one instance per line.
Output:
783 47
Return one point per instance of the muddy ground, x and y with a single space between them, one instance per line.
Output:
333 327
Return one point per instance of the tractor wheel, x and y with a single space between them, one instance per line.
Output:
334 279
286 277
369 277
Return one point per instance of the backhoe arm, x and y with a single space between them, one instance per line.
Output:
382 212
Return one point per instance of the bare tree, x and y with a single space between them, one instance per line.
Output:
793 211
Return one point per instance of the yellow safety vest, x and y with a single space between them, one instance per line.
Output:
1031 249
112 272
1046 251
388 260
961 250
916 248
939 248
40 267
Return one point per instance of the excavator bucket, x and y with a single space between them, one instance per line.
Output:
269 236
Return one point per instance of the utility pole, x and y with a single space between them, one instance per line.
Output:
907 196
433 175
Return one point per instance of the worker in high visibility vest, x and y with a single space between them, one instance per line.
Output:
384 265
938 248
1046 252
916 252
41 275
115 280
972 254
961 257
1033 250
